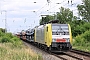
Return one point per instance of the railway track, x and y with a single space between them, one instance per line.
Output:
78 54
62 56
59 56
75 55
65 56
27 44
81 52
72 55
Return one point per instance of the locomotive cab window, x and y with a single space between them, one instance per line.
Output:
60 29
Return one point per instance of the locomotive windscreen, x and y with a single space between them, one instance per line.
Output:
60 29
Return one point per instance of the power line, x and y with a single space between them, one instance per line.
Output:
41 7
48 1
57 3
51 7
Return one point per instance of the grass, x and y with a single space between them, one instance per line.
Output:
87 49
81 46
10 52
82 42
13 49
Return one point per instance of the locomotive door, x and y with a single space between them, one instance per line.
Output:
46 35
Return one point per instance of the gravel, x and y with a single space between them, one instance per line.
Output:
47 56
44 54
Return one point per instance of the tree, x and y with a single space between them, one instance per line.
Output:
84 10
2 30
65 15
77 27
46 19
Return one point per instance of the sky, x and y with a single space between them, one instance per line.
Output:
26 14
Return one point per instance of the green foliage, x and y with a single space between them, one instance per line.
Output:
46 19
1 33
16 41
78 27
87 26
2 30
84 10
5 39
8 37
86 36
75 27
65 15
79 41
83 39
23 53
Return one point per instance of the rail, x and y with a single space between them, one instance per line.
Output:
81 52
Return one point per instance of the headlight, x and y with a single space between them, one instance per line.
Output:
54 40
67 39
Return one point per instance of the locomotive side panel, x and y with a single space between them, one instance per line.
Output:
70 33
48 35
39 35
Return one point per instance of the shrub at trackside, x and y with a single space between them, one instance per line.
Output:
12 48
83 39
8 37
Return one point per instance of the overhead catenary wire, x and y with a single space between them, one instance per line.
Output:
64 4
53 6
48 1
56 4
49 8
54 11
59 8
73 4
40 10
42 7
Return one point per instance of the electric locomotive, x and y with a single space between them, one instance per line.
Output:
54 37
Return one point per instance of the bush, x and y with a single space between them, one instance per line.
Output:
87 26
2 30
5 39
9 35
16 41
86 35
79 28
83 39
1 34
79 41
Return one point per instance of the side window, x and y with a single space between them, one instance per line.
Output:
47 28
